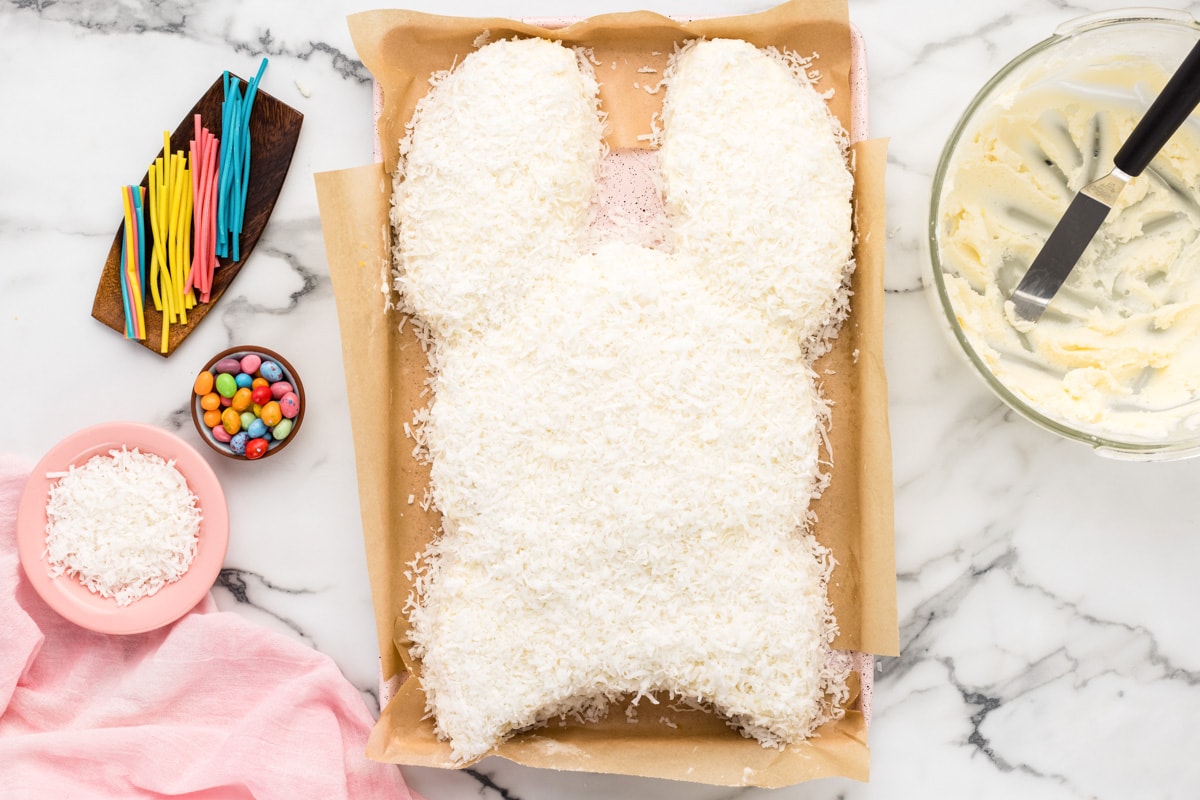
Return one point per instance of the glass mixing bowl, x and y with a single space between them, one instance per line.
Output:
1115 361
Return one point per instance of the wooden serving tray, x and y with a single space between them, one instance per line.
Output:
274 131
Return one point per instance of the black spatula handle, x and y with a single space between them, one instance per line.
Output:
1166 114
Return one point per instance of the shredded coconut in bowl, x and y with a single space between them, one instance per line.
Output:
124 525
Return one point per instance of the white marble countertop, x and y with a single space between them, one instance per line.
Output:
1046 595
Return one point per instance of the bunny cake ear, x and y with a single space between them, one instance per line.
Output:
469 241
755 182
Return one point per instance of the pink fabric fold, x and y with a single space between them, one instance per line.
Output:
211 706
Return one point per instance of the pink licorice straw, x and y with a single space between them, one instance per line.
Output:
200 166
211 170
204 225
196 146
204 248
194 151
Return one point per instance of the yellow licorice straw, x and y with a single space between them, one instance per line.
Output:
169 216
173 240
182 227
152 211
170 205
165 207
176 209
164 224
164 272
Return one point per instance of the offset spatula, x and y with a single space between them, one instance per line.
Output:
1087 211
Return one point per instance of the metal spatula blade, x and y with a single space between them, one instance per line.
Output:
1066 244
1091 205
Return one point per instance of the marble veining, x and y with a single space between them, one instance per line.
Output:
1046 594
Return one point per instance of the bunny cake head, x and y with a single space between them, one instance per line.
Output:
624 441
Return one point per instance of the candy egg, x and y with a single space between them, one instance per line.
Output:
271 371
257 382
203 384
250 363
226 402
289 405
243 380
256 448
247 417
237 444
210 401
229 365
231 421
280 388
260 395
212 418
221 435
226 384
271 413
257 429
282 429
241 400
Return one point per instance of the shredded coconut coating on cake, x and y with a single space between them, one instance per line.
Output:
624 450
498 178
783 246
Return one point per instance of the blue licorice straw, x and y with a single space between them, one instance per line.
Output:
222 248
248 109
233 181
233 188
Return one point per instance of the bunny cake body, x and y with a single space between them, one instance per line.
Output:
624 441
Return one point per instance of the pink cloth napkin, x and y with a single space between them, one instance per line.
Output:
212 706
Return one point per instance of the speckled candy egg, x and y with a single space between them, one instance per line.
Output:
289 405
271 371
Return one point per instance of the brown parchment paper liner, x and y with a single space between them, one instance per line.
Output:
385 371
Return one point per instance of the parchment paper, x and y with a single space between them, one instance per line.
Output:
385 369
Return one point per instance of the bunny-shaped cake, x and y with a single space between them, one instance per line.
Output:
624 441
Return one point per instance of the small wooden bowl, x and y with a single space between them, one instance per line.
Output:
289 374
